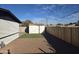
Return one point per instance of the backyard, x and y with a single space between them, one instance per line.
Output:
26 35
28 43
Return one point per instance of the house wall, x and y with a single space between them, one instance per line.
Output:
9 31
35 29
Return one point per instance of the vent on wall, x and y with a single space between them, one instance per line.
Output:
2 44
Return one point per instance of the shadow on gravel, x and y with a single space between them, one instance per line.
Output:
60 46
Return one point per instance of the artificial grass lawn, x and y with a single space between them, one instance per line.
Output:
26 35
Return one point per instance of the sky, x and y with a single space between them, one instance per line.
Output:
39 13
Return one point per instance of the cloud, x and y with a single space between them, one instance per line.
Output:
50 19
45 8
71 18
39 20
48 7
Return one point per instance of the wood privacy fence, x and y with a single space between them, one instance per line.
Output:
68 34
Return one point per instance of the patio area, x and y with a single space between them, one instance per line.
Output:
28 43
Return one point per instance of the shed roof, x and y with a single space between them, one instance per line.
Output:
8 15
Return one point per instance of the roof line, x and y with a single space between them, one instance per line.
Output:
10 14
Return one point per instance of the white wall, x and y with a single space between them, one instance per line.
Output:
9 39
7 28
22 29
42 29
35 29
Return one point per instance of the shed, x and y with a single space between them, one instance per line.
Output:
9 26
36 29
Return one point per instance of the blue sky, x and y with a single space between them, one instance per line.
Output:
59 13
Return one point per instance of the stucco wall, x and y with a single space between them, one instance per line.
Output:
8 31
35 29
22 29
42 29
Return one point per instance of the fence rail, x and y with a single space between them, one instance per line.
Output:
68 34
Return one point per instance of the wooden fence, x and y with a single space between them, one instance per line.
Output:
68 34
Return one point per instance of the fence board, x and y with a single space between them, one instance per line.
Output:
68 34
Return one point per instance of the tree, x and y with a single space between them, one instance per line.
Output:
77 23
26 23
59 24
70 23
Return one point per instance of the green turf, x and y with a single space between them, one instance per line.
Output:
25 35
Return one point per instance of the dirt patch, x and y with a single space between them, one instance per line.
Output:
28 45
